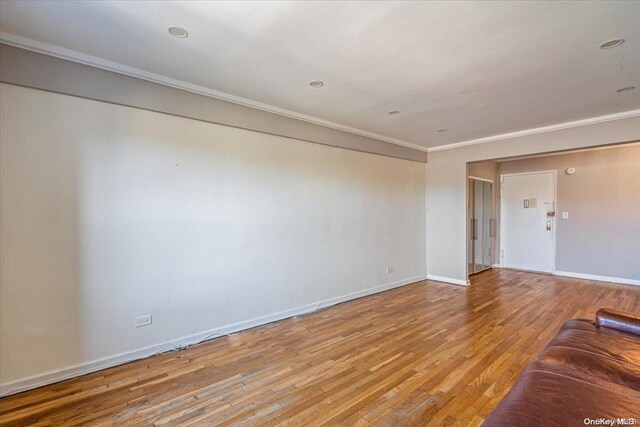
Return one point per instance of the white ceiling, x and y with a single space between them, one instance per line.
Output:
476 68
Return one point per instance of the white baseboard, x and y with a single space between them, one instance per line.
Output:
497 265
599 278
448 280
50 377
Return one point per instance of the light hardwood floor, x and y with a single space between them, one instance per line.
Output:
424 354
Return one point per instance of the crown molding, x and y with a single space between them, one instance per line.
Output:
569 152
551 128
81 58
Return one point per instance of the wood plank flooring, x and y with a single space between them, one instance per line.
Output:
424 354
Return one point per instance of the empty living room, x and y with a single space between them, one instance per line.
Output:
305 213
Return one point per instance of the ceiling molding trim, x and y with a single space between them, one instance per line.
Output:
551 128
568 152
71 55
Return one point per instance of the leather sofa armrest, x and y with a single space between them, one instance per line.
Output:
620 320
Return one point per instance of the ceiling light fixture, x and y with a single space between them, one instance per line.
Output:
442 130
625 89
316 83
178 32
611 43
393 113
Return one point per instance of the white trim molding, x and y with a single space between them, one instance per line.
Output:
595 277
477 178
449 280
51 377
551 128
81 58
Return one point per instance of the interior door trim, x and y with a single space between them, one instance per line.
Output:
480 179
554 172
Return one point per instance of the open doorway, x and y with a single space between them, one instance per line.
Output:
572 213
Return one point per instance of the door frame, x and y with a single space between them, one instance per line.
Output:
480 179
554 173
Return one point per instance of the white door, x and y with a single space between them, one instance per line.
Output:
527 226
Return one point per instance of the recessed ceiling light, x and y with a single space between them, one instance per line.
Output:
178 32
442 130
625 89
393 113
611 43
316 83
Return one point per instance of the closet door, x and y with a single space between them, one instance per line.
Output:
487 223
478 226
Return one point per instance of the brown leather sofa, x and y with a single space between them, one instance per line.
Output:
589 373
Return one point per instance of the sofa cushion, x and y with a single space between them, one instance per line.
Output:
549 395
587 371
603 353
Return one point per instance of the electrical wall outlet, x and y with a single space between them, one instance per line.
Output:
565 215
143 321
389 270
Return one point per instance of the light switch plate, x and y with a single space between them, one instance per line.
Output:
565 215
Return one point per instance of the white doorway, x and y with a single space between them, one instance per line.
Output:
527 221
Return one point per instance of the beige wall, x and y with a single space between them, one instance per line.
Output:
447 230
111 212
485 170
39 71
602 234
